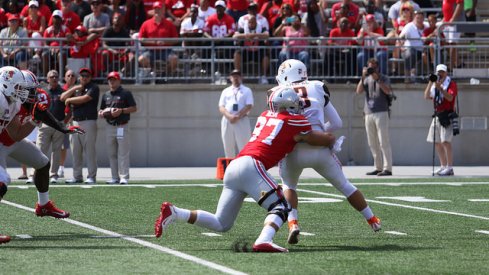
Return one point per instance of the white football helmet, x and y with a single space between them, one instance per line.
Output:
12 83
31 85
290 71
285 98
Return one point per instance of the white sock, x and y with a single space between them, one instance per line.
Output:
42 198
182 214
292 215
367 213
266 235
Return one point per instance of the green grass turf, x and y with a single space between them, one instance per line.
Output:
343 243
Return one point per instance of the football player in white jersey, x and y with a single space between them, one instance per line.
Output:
317 108
16 106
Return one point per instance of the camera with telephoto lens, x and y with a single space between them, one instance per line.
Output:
370 70
433 77
454 119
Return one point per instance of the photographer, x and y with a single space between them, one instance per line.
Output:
378 98
443 91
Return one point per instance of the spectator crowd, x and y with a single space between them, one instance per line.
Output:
97 33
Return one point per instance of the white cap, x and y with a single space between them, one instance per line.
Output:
220 3
58 13
33 3
441 67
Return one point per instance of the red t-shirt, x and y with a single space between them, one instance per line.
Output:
49 33
336 32
238 5
449 105
220 28
352 14
43 9
448 8
273 137
70 19
3 18
150 29
86 50
368 42
33 26
271 14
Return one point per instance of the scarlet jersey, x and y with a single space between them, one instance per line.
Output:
315 97
49 33
273 137
33 26
220 28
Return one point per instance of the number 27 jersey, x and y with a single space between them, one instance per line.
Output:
273 137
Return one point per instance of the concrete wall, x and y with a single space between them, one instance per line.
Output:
179 125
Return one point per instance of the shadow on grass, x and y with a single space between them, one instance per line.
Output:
375 248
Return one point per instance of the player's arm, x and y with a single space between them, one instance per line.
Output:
48 118
334 121
316 138
18 131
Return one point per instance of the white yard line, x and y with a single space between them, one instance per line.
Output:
483 232
163 249
479 200
395 233
401 205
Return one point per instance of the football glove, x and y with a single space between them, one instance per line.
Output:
75 130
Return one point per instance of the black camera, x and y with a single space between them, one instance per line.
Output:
370 70
454 119
433 77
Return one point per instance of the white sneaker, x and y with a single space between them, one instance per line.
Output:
61 172
124 181
30 180
263 80
446 172
438 171
90 181
54 179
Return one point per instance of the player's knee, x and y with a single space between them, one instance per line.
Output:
281 212
3 189
45 168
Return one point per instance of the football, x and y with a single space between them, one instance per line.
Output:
108 113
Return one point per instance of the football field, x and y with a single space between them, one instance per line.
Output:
430 225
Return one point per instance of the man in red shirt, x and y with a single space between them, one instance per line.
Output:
220 25
50 57
453 11
70 18
352 13
275 134
342 58
237 8
158 27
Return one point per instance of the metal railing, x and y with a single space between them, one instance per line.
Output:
210 60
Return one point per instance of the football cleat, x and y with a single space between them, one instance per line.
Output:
49 209
167 216
294 231
4 239
374 222
269 248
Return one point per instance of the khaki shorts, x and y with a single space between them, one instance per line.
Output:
441 133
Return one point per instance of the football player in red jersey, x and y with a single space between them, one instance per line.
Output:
20 105
276 133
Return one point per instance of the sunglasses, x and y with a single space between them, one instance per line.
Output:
85 75
70 75
53 76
